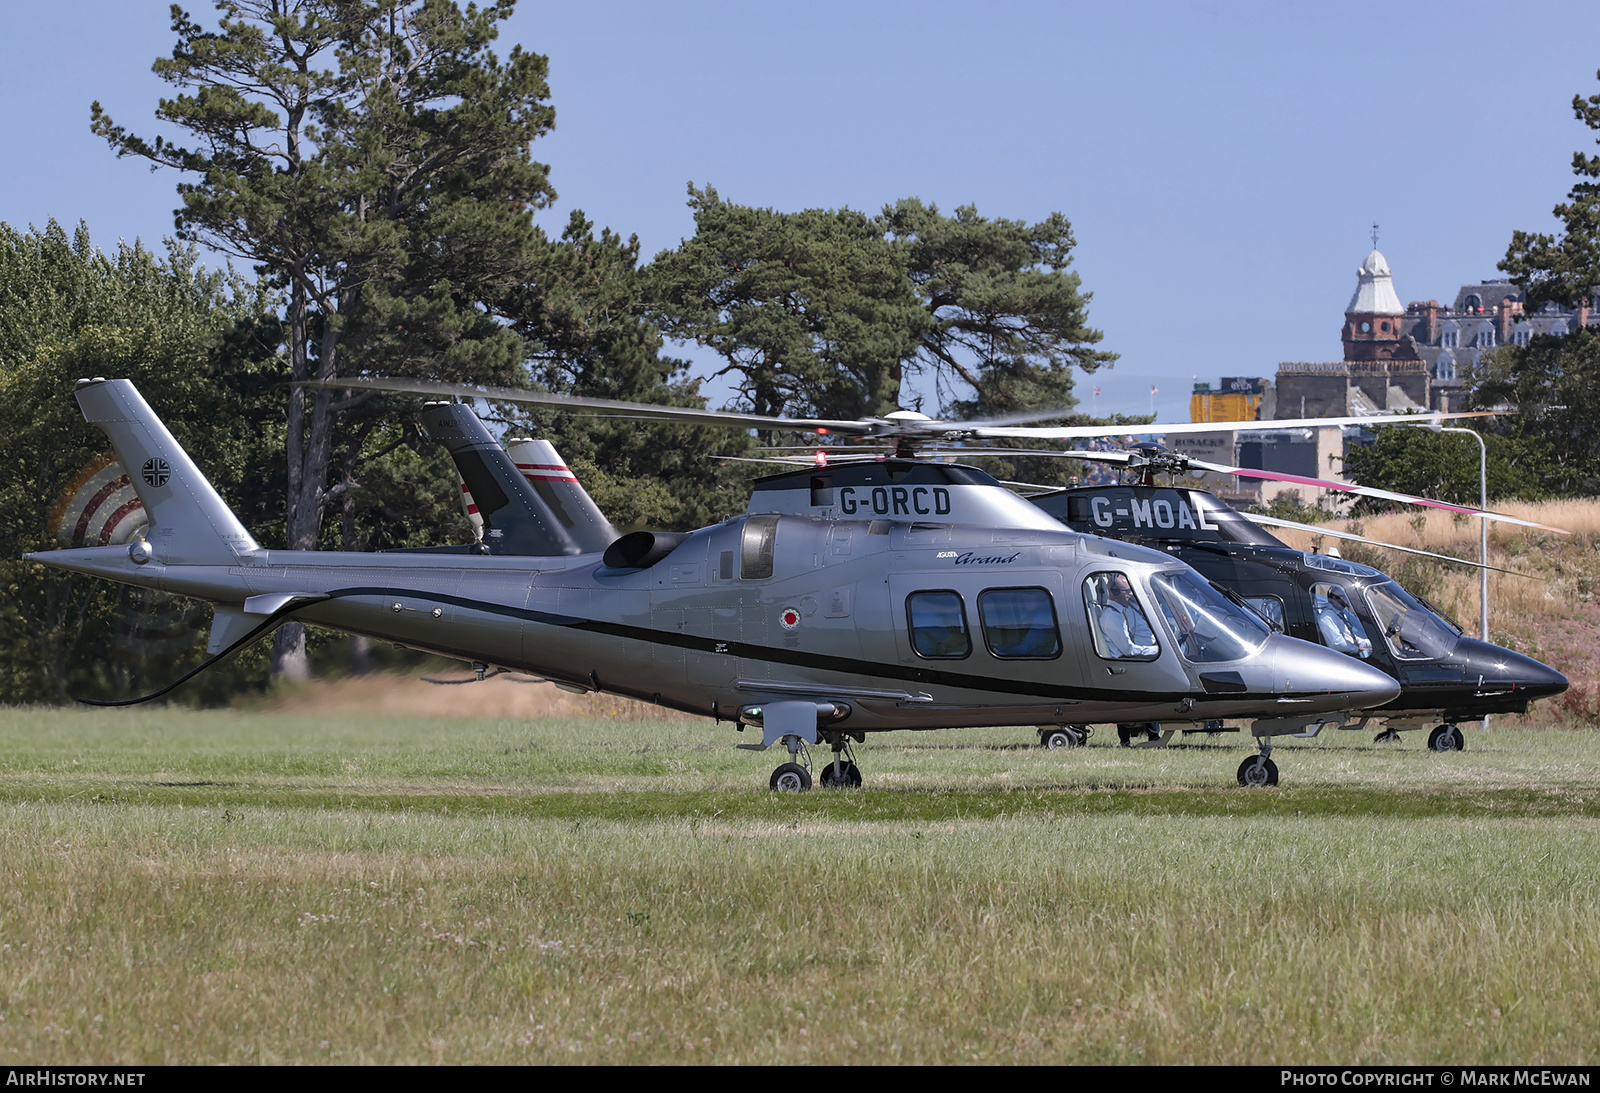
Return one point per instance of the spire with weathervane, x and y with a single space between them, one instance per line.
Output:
1372 319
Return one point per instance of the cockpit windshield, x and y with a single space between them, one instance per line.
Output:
1412 631
1207 625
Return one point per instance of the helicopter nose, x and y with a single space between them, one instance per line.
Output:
1498 668
1325 679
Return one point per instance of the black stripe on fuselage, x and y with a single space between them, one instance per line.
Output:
797 657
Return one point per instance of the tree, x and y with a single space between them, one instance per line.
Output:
202 340
1567 268
1554 383
372 157
824 312
1005 318
813 311
1443 466
585 319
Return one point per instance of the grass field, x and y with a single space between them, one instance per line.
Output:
281 886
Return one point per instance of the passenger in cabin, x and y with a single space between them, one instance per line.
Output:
1338 625
1122 623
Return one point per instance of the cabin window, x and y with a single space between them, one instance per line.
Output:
1020 623
1269 608
757 546
1120 627
938 622
1338 626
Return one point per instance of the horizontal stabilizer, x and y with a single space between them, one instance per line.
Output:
228 625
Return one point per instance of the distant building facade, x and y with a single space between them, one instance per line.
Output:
1395 359
1414 357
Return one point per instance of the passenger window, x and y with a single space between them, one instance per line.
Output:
1269 608
1120 627
938 625
1020 623
1338 626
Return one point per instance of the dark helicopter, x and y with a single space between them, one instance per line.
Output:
1446 676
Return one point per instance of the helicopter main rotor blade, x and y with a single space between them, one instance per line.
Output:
1372 491
644 411
1073 432
1274 522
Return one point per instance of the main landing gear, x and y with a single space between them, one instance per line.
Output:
795 775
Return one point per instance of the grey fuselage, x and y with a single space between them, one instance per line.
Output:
807 597
695 633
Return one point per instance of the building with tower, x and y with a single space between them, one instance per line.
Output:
1395 359
1415 357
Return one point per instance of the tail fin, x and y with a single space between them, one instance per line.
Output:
550 477
518 519
189 522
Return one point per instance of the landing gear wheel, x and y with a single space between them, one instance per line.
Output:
1387 736
1446 738
1063 736
843 776
791 778
1258 770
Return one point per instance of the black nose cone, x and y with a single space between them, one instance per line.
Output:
1501 669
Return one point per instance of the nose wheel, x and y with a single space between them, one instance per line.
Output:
1055 737
1447 738
1258 770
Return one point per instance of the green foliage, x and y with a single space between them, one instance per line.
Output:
1004 316
584 317
1553 382
1443 466
1552 443
813 310
1564 269
373 158
199 341
824 312
1288 506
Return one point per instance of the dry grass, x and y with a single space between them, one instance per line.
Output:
1555 618
275 887
502 696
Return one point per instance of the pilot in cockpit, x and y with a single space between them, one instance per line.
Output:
1339 626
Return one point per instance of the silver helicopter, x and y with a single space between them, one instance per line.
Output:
848 599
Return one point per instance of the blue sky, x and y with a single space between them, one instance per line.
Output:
1222 164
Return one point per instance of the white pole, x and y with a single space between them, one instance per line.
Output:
1483 529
